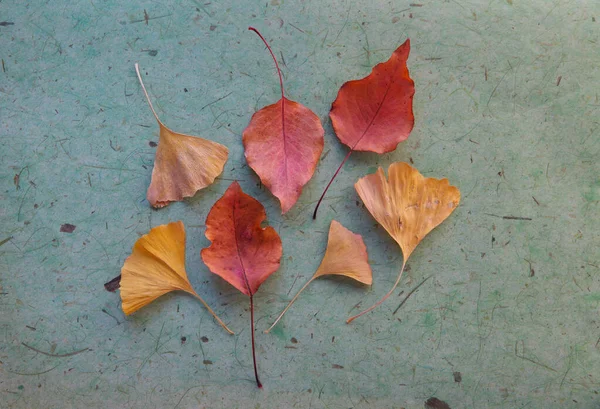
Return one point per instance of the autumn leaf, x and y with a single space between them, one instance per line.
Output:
241 252
346 255
408 205
375 113
155 267
282 144
183 163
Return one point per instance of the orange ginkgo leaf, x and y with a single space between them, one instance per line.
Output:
346 255
183 163
408 205
282 144
375 113
155 267
241 252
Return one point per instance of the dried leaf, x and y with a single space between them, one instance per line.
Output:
282 144
113 285
183 163
375 113
346 255
408 205
155 267
241 252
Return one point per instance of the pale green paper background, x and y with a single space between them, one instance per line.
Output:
506 107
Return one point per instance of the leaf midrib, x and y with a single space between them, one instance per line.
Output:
374 116
237 245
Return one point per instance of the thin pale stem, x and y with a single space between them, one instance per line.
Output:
349 320
289 305
137 70
253 347
272 55
212 312
330 182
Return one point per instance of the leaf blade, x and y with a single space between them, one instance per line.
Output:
407 204
183 165
375 113
346 255
155 267
233 227
282 144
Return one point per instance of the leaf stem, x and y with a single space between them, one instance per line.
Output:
212 312
280 79
330 182
272 55
349 320
289 305
137 70
253 347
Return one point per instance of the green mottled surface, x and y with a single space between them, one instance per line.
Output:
506 107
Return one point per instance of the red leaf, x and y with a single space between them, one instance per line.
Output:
283 143
242 253
375 113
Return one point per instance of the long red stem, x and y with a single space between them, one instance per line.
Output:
250 293
330 182
274 59
253 347
280 79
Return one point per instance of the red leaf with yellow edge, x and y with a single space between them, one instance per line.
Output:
408 205
155 267
183 163
346 255
241 252
282 144
375 113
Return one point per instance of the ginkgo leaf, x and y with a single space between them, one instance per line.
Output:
155 267
375 113
346 255
282 144
241 252
408 205
183 164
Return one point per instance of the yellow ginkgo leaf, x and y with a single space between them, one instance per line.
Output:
155 267
408 205
183 163
346 255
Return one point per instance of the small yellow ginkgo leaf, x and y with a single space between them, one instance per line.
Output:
408 205
155 267
183 163
346 255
